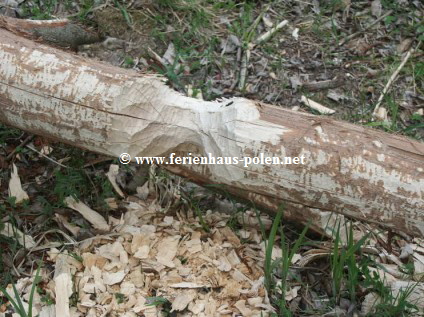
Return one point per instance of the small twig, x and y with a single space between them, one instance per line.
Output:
249 33
24 142
267 35
316 106
45 156
393 78
237 71
243 67
248 46
156 57
325 84
351 36
97 161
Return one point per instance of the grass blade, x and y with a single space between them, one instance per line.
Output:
33 287
268 250
12 301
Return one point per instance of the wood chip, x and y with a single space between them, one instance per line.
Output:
113 278
186 285
167 250
11 231
316 106
15 186
63 285
89 214
182 300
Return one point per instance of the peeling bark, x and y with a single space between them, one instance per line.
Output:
62 33
350 170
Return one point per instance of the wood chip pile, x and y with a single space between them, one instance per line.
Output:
150 257
149 262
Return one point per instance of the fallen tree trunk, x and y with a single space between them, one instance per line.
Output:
348 170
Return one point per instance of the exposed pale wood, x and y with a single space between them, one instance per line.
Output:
89 214
316 106
15 186
63 285
350 170
9 230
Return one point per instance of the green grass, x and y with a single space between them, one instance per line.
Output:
350 273
283 264
161 302
345 256
8 133
86 7
388 303
201 220
120 298
287 254
226 5
124 12
192 37
79 181
15 298
242 27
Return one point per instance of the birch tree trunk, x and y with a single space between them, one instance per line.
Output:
349 170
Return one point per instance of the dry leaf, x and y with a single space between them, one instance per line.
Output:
376 8
169 56
15 187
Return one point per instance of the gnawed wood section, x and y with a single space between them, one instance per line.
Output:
349 170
